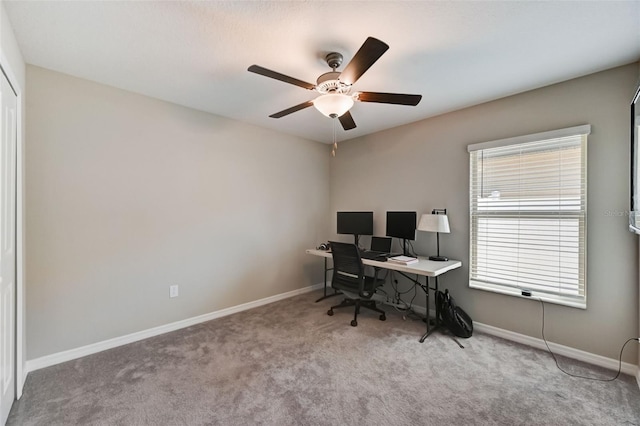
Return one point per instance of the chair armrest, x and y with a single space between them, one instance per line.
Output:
369 284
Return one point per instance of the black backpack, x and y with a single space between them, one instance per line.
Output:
452 316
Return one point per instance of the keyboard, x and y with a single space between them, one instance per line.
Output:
374 255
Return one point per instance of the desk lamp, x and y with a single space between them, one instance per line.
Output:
436 222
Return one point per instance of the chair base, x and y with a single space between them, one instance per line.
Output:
358 303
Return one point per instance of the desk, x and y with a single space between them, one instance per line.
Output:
424 268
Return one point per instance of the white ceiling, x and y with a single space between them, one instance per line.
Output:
196 53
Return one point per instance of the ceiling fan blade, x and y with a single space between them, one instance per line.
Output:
389 98
347 121
370 51
272 74
292 109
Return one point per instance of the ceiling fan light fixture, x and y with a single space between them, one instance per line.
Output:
333 105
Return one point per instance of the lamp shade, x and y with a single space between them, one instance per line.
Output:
333 104
434 223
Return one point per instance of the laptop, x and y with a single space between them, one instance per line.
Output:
380 248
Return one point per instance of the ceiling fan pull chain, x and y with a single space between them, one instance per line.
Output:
335 144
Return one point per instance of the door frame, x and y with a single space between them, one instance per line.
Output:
20 360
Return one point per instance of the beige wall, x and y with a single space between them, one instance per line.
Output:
425 165
127 195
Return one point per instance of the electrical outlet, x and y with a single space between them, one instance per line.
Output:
173 291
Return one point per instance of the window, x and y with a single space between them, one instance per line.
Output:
528 213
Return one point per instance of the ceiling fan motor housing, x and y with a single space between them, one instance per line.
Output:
329 83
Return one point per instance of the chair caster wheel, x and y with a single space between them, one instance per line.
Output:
354 323
330 312
383 317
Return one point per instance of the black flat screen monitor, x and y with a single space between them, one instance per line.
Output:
355 223
402 225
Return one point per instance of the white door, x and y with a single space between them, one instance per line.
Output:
8 139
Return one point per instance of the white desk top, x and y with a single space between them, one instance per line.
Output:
425 267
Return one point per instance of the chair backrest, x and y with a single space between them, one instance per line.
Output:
348 270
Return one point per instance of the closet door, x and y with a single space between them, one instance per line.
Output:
8 140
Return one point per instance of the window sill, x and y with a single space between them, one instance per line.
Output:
558 300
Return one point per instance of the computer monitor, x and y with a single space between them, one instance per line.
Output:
402 225
355 223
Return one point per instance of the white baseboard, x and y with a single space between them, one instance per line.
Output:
57 358
577 354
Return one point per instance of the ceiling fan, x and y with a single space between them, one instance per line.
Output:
335 99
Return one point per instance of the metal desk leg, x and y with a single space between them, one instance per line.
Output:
437 319
437 307
425 335
325 296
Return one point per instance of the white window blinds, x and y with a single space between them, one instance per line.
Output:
528 215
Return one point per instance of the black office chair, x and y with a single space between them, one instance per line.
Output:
349 277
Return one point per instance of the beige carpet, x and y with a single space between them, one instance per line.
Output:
289 363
